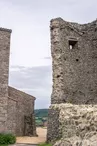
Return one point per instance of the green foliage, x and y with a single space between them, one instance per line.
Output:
45 144
41 116
7 139
3 145
41 113
39 122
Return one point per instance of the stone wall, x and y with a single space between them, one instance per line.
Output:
4 70
16 107
74 61
78 124
21 120
74 70
53 124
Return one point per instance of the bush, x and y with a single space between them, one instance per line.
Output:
7 139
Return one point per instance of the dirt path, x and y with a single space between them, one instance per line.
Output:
34 140
22 145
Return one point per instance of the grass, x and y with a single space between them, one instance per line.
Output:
3 145
45 144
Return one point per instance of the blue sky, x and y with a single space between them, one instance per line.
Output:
30 57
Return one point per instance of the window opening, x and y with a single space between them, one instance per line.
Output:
72 44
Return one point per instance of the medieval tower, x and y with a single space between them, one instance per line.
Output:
74 60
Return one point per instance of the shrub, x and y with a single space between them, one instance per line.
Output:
7 139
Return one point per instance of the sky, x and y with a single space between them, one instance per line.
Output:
30 56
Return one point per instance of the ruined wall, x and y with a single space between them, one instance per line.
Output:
74 61
21 120
80 65
78 124
74 70
4 70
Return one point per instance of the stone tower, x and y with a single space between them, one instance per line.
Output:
4 72
74 60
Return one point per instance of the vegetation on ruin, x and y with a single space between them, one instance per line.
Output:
6 139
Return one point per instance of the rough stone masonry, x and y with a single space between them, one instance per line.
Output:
16 107
74 92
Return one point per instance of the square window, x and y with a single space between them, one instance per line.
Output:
72 44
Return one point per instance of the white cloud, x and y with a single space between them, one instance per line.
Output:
35 81
30 20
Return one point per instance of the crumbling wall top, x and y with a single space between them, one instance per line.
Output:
59 22
5 29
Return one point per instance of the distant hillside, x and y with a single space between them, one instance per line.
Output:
41 113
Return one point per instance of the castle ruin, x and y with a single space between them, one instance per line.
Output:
16 107
73 110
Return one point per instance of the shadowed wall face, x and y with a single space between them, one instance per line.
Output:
21 120
4 70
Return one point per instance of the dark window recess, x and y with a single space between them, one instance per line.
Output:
58 76
77 60
72 44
